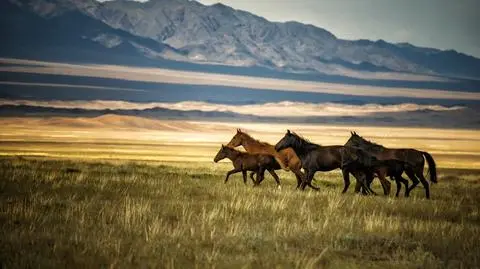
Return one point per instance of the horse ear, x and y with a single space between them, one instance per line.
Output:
223 146
288 132
238 130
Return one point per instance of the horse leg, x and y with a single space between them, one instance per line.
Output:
275 176
367 177
231 172
358 187
244 174
253 179
413 178
368 181
398 179
346 180
398 184
299 175
385 184
308 179
296 167
424 183
260 175
362 181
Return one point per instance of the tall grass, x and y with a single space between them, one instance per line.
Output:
119 215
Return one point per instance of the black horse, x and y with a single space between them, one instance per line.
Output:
414 160
316 158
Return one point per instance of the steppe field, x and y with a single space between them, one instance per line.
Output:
127 192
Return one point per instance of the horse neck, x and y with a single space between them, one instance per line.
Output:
373 147
305 148
232 155
249 143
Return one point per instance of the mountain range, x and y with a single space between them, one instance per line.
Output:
161 32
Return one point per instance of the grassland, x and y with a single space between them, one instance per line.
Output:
135 138
119 214
123 192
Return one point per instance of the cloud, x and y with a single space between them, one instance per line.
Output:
279 109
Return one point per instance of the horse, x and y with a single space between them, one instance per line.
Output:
315 157
287 158
243 162
415 160
358 159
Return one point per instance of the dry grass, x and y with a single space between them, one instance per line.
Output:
60 213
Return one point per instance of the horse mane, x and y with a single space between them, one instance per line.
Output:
304 143
369 145
256 140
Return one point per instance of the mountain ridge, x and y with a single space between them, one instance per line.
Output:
188 31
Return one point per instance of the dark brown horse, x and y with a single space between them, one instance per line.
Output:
368 165
315 157
414 160
286 156
243 162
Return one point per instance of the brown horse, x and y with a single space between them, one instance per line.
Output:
286 156
414 160
243 162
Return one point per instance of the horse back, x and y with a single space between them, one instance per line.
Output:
408 155
253 161
261 148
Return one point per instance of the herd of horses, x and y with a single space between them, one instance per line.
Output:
363 159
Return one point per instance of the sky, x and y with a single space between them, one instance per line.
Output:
443 24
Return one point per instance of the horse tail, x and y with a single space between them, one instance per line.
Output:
432 167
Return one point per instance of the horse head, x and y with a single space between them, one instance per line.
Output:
354 141
237 139
221 154
287 141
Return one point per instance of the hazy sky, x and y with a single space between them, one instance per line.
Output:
444 24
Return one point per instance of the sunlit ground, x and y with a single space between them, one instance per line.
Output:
131 138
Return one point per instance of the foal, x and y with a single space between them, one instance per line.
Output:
243 162
366 165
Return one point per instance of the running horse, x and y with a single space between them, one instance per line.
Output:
366 166
244 161
286 158
315 158
414 160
